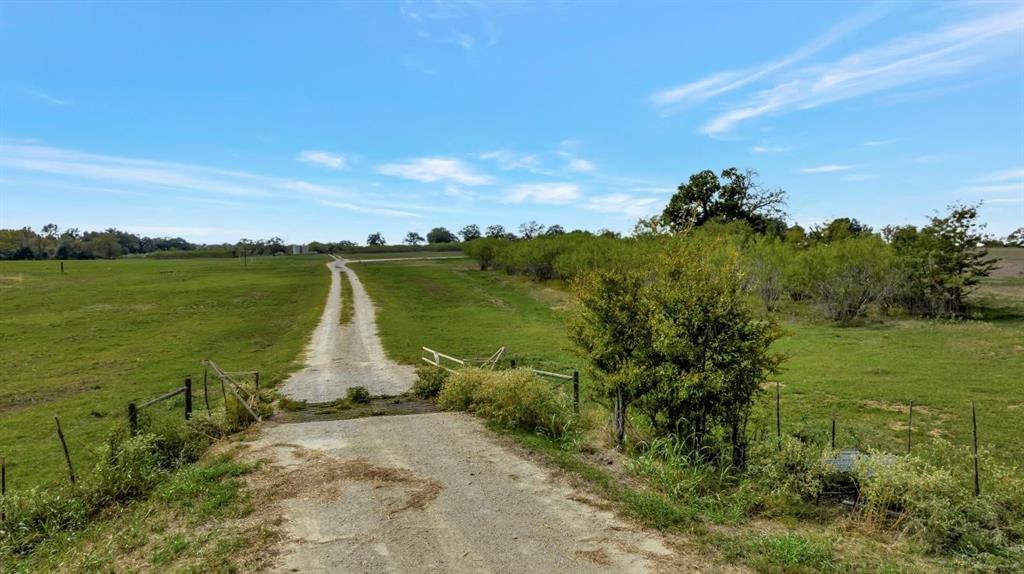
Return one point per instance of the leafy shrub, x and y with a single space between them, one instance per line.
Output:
514 399
933 503
848 275
484 250
766 261
678 340
429 381
358 395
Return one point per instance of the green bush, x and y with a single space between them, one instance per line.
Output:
429 381
358 395
514 399
849 275
484 250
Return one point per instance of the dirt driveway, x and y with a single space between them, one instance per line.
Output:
429 492
342 356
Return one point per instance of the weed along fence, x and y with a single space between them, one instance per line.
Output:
439 359
845 459
241 403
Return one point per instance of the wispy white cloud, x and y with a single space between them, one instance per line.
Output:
679 97
72 169
324 158
1003 175
998 182
510 160
75 164
447 22
463 40
876 143
1006 200
828 168
911 59
567 150
1012 187
432 169
459 192
555 193
580 165
44 97
374 210
628 205
769 149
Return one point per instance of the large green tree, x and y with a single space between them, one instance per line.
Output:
733 195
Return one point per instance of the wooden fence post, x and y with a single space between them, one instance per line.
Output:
257 391
61 266
576 390
974 424
188 398
512 363
3 485
910 424
833 431
133 419
778 415
206 393
67 456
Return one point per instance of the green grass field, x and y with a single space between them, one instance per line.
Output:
84 344
864 374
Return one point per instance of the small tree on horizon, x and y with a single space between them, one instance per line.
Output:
413 238
375 239
530 229
470 232
441 235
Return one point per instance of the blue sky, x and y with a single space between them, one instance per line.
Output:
329 121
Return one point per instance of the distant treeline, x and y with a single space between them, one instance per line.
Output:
51 242
843 266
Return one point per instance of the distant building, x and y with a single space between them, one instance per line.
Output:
300 249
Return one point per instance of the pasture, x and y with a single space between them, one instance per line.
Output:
864 374
84 343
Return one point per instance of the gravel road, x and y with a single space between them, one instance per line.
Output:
438 493
342 356
425 493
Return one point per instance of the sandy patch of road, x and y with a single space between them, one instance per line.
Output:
438 493
342 356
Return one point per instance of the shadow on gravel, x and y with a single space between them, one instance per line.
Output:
342 409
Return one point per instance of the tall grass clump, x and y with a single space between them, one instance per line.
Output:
936 504
513 399
128 467
429 381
